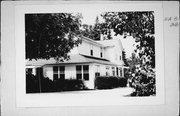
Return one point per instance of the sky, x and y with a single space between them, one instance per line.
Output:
128 45
90 17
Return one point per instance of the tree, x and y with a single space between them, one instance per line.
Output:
132 62
51 35
95 31
139 25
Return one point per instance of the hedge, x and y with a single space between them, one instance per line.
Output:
105 82
34 83
69 85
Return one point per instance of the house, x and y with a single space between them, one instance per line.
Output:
90 59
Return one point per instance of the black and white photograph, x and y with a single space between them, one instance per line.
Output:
73 52
107 53
89 58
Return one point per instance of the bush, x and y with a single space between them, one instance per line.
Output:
143 83
32 83
69 85
47 85
122 82
145 89
35 84
104 82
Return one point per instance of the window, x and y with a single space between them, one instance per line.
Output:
97 72
62 72
29 70
82 72
101 54
107 70
91 50
58 72
117 71
55 73
113 71
86 72
119 57
78 72
120 71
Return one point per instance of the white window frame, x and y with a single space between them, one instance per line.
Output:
82 72
59 72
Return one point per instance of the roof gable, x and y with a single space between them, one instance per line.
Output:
91 41
111 42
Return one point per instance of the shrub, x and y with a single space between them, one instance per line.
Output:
35 84
122 82
143 83
105 82
32 83
69 85
47 85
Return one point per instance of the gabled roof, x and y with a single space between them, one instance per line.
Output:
110 42
74 59
91 41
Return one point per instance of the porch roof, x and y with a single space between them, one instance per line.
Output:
74 59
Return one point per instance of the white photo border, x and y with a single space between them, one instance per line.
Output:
59 99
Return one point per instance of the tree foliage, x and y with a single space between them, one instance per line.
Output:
51 35
95 31
90 32
139 25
